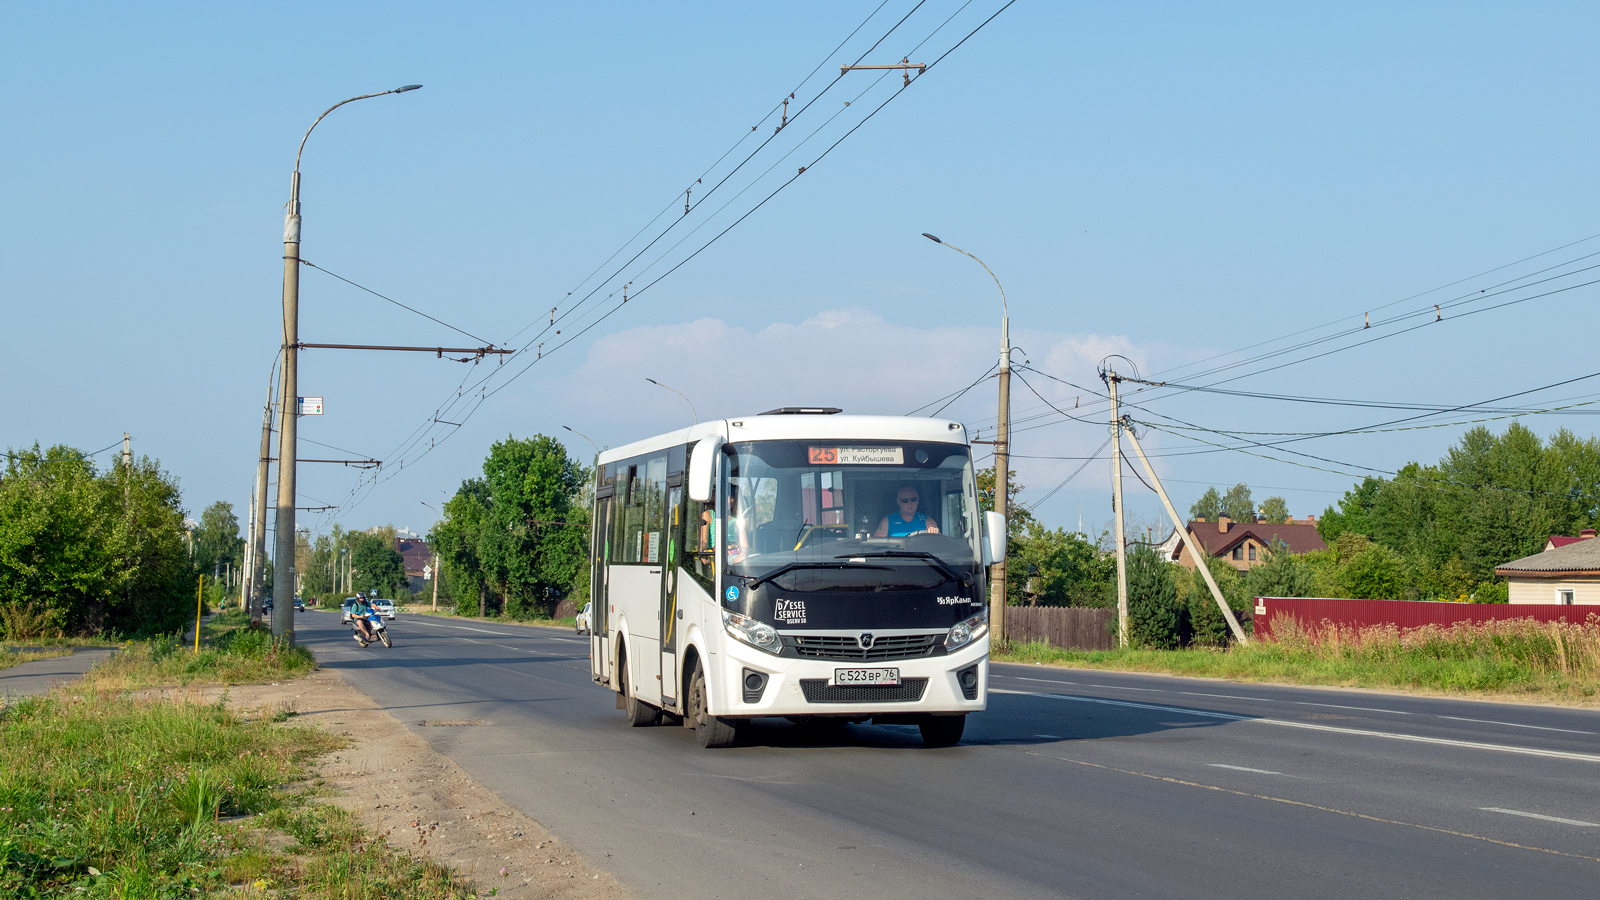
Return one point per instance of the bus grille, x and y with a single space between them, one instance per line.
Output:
818 690
887 647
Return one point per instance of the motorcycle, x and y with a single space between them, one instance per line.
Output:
381 632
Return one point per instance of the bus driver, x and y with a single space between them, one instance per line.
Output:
905 520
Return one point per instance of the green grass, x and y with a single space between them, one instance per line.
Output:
1511 660
230 653
10 657
103 795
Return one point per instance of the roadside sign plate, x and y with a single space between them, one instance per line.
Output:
885 677
310 406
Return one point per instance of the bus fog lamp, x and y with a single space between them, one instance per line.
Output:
967 631
755 633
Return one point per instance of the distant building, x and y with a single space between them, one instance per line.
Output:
1242 544
1567 573
1561 540
419 562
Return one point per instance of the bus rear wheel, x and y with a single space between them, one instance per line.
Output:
942 731
709 730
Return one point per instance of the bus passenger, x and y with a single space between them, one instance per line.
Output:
905 520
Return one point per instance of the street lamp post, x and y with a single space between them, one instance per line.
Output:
436 564
289 400
1002 448
685 397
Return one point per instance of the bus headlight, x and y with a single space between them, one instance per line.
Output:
967 631
755 633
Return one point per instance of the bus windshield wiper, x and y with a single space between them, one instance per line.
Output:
923 555
790 567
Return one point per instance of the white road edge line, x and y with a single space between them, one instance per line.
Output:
1516 725
1529 815
1243 769
1053 737
1362 732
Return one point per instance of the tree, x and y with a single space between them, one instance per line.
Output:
217 541
1281 574
1354 512
1237 505
1207 626
92 551
1072 571
1017 518
1153 615
1208 507
1274 511
532 548
378 566
454 540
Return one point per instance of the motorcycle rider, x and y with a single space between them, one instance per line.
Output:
360 610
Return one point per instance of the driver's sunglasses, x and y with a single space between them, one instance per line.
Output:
907 499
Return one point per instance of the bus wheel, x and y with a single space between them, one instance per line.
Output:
639 712
942 731
710 730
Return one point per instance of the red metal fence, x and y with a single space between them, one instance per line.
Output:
1068 627
1313 611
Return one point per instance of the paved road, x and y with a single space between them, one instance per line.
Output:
1073 784
41 675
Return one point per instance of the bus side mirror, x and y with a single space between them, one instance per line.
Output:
703 468
994 538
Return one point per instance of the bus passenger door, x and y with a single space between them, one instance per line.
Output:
669 591
599 621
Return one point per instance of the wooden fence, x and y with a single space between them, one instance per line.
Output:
1313 611
1069 627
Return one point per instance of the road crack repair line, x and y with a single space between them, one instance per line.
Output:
1327 809
1336 729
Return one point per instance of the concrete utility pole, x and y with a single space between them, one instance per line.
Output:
1195 551
283 581
1116 510
1002 451
127 452
258 521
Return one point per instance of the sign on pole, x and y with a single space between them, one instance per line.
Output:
310 406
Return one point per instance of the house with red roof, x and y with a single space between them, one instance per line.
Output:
1561 540
1243 544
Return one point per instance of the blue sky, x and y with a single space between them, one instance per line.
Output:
1166 181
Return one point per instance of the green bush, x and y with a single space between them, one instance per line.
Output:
1154 619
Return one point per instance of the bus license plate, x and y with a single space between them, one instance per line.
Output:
890 677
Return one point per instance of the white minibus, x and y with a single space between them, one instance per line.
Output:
798 563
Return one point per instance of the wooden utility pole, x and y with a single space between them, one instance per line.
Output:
1116 510
1196 552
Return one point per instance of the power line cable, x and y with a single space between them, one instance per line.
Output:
307 262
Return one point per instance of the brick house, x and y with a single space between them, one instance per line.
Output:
1243 544
418 558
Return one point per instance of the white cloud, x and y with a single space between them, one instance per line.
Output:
850 358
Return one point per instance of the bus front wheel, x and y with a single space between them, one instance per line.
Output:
639 712
709 730
942 731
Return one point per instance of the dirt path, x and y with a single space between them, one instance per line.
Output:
420 799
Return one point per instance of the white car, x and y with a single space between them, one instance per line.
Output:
583 623
384 608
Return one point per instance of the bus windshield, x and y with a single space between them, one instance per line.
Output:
848 515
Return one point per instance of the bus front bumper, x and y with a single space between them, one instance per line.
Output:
806 687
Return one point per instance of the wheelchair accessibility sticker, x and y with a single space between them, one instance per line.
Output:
733 592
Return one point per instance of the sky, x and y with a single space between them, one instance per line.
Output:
1182 185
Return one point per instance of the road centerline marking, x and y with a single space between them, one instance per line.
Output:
1517 812
1309 726
1518 725
1244 769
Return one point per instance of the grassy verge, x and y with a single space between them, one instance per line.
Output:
105 795
1518 659
10 657
230 653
